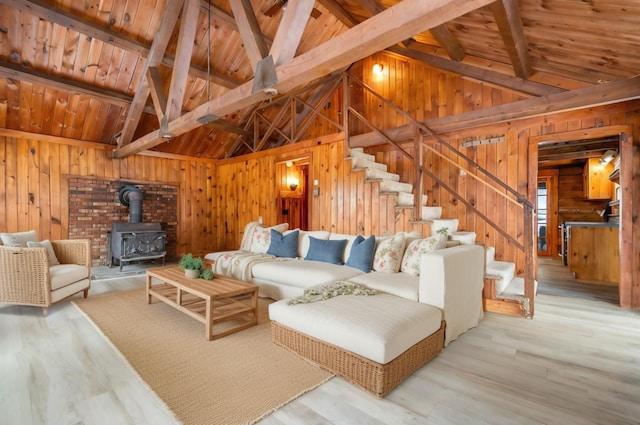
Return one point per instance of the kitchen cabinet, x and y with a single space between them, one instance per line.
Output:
596 183
594 251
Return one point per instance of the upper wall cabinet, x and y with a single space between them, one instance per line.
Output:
596 183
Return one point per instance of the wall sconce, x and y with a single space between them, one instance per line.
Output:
607 157
378 68
293 183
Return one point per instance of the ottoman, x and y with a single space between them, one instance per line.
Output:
374 342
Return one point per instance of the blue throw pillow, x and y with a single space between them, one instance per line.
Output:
327 251
361 255
284 245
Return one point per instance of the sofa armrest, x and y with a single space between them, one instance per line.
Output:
24 276
73 251
452 280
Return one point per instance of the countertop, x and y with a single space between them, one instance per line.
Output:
591 224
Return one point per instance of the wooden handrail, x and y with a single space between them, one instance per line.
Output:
510 194
428 132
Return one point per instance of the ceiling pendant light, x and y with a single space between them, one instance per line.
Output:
208 117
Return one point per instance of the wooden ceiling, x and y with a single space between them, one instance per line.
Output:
133 75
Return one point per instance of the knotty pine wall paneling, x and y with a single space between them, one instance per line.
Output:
433 93
345 204
33 177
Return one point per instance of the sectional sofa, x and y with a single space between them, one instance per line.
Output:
428 294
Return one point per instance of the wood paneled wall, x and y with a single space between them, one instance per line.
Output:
572 206
217 199
427 93
33 186
246 190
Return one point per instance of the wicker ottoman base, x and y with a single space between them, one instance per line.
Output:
374 377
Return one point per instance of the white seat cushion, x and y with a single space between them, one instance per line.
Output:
378 327
401 284
302 273
66 274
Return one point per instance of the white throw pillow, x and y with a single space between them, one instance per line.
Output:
19 239
53 260
411 258
389 254
262 237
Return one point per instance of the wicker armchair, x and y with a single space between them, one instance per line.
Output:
27 279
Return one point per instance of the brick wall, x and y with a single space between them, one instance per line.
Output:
94 206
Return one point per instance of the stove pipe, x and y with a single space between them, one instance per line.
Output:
131 197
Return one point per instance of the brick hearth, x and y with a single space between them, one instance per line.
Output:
94 206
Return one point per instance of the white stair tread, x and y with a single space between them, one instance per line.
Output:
374 173
515 289
431 213
391 186
358 162
359 152
503 272
406 199
490 255
450 223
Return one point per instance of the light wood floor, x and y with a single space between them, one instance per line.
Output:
576 362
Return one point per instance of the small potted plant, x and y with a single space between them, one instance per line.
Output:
191 266
206 274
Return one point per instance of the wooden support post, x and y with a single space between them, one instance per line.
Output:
418 183
346 102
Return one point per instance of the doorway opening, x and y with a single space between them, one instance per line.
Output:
563 182
547 213
292 177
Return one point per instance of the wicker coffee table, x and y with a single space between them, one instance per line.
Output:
211 302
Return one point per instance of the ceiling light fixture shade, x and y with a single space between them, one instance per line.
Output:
378 68
607 156
207 118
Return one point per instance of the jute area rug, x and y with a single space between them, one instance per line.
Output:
237 379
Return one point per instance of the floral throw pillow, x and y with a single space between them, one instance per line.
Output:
389 254
411 259
262 237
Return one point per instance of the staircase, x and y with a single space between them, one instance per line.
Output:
501 284
390 183
504 292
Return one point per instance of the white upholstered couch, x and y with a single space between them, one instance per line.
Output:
450 278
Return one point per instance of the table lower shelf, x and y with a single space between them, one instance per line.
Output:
236 313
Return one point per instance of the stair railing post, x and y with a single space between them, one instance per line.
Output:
418 184
346 104
529 260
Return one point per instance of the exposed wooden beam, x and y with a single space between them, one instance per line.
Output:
230 128
372 6
603 94
157 94
17 72
290 31
218 13
19 134
391 26
160 42
46 11
507 16
417 52
448 42
339 12
250 32
184 51
58 16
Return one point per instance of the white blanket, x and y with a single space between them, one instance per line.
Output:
238 265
